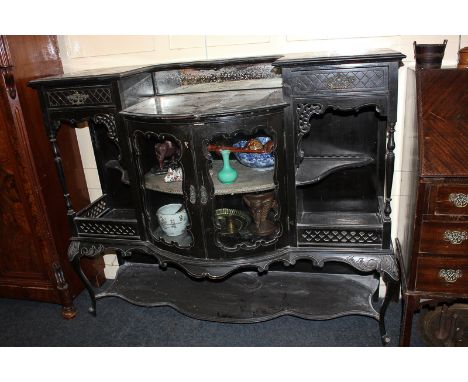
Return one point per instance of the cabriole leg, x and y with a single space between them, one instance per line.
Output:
392 289
76 266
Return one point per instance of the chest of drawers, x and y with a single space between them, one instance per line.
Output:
433 234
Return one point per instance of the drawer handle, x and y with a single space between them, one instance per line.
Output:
455 237
459 200
450 275
77 98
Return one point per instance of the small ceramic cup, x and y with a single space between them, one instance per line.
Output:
172 219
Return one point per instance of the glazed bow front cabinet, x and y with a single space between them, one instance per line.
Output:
239 190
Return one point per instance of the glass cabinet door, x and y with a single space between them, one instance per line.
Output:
241 173
165 168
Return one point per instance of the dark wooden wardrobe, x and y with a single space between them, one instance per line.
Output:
34 230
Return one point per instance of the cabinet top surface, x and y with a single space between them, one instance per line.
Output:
194 105
124 71
324 57
311 58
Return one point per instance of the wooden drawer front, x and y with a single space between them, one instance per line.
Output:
444 238
333 80
81 96
447 275
450 199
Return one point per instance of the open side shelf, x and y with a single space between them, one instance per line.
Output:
314 169
340 228
263 297
248 180
102 220
340 219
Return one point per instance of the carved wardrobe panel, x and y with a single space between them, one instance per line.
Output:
34 232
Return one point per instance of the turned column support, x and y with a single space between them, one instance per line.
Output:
389 169
59 167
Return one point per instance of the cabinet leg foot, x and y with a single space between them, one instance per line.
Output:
84 279
409 305
68 312
68 309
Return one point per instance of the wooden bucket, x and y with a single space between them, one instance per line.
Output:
429 56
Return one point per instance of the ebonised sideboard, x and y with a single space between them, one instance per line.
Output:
309 235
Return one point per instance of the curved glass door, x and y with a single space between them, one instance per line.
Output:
165 168
242 173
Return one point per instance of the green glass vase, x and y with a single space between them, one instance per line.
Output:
227 174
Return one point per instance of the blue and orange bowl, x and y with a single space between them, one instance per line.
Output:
261 162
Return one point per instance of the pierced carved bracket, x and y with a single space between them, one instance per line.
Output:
108 120
304 112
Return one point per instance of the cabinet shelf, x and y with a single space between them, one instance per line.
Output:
305 295
338 219
248 180
314 169
184 240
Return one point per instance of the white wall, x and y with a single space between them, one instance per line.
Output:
88 52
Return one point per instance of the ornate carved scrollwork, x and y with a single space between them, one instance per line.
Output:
80 249
459 200
108 120
450 275
455 237
386 264
304 112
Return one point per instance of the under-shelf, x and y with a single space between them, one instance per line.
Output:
247 296
248 180
313 169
